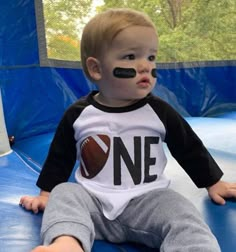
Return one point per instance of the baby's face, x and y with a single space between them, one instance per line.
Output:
135 49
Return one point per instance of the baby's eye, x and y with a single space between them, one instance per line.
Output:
129 57
152 58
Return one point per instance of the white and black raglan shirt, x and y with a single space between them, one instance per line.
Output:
121 153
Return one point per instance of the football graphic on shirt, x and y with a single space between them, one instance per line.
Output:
94 154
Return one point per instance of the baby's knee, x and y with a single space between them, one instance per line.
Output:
70 190
63 187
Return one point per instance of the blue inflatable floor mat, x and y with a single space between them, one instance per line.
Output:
20 229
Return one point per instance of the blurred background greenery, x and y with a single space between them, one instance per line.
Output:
189 30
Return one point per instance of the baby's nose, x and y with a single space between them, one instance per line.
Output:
144 66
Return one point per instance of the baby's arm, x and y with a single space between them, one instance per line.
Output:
222 190
35 203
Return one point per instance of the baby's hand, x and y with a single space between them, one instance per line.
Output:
35 203
222 190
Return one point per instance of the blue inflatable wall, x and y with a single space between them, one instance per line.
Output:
200 89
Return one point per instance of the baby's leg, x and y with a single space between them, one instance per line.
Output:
164 219
67 215
61 244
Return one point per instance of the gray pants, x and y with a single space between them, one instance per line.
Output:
160 219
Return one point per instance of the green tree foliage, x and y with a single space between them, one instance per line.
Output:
63 20
189 30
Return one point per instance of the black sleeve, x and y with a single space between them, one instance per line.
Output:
186 147
62 154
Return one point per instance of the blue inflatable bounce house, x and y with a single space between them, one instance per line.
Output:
34 95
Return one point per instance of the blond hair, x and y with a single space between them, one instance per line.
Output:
100 31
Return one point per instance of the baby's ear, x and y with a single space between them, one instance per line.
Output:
93 66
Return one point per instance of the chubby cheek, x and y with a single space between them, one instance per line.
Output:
123 85
120 88
129 89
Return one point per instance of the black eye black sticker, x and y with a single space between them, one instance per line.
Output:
120 72
124 72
